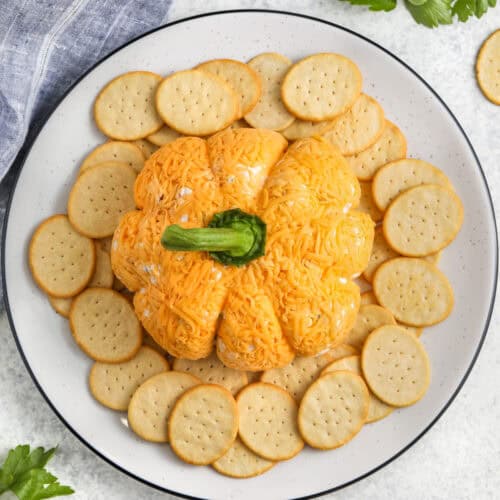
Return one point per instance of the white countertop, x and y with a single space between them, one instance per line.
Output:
459 458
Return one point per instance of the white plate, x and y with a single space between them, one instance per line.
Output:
60 369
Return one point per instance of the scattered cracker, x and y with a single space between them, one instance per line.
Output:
61 260
105 326
146 147
398 176
270 112
151 404
103 275
301 129
195 102
268 421
423 220
100 197
296 377
390 146
240 77
377 409
381 252
241 462
115 151
416 292
61 306
333 410
396 366
164 136
211 370
370 316
366 203
488 67
321 86
203 424
113 384
125 107
359 127
368 298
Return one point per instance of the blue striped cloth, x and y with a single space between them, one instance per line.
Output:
45 45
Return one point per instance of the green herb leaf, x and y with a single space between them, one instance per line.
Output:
375 5
464 9
432 13
23 473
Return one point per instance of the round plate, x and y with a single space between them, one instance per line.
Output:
60 369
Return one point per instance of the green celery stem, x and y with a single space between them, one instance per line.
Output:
236 242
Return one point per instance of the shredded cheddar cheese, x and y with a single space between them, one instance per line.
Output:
298 299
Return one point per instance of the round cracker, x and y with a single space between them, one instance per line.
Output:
240 77
125 109
333 410
395 366
369 317
268 421
390 146
146 147
103 275
203 424
62 261
381 252
416 292
398 176
100 197
300 129
152 402
423 220
296 377
366 203
488 67
270 112
377 409
113 384
195 102
241 462
115 151
61 306
359 127
104 325
164 136
321 86
211 370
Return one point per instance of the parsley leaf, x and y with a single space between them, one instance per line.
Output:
431 13
23 473
375 5
464 9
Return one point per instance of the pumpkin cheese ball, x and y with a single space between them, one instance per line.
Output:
297 299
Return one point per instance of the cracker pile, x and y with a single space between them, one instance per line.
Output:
244 423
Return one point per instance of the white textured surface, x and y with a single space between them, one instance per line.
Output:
460 457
